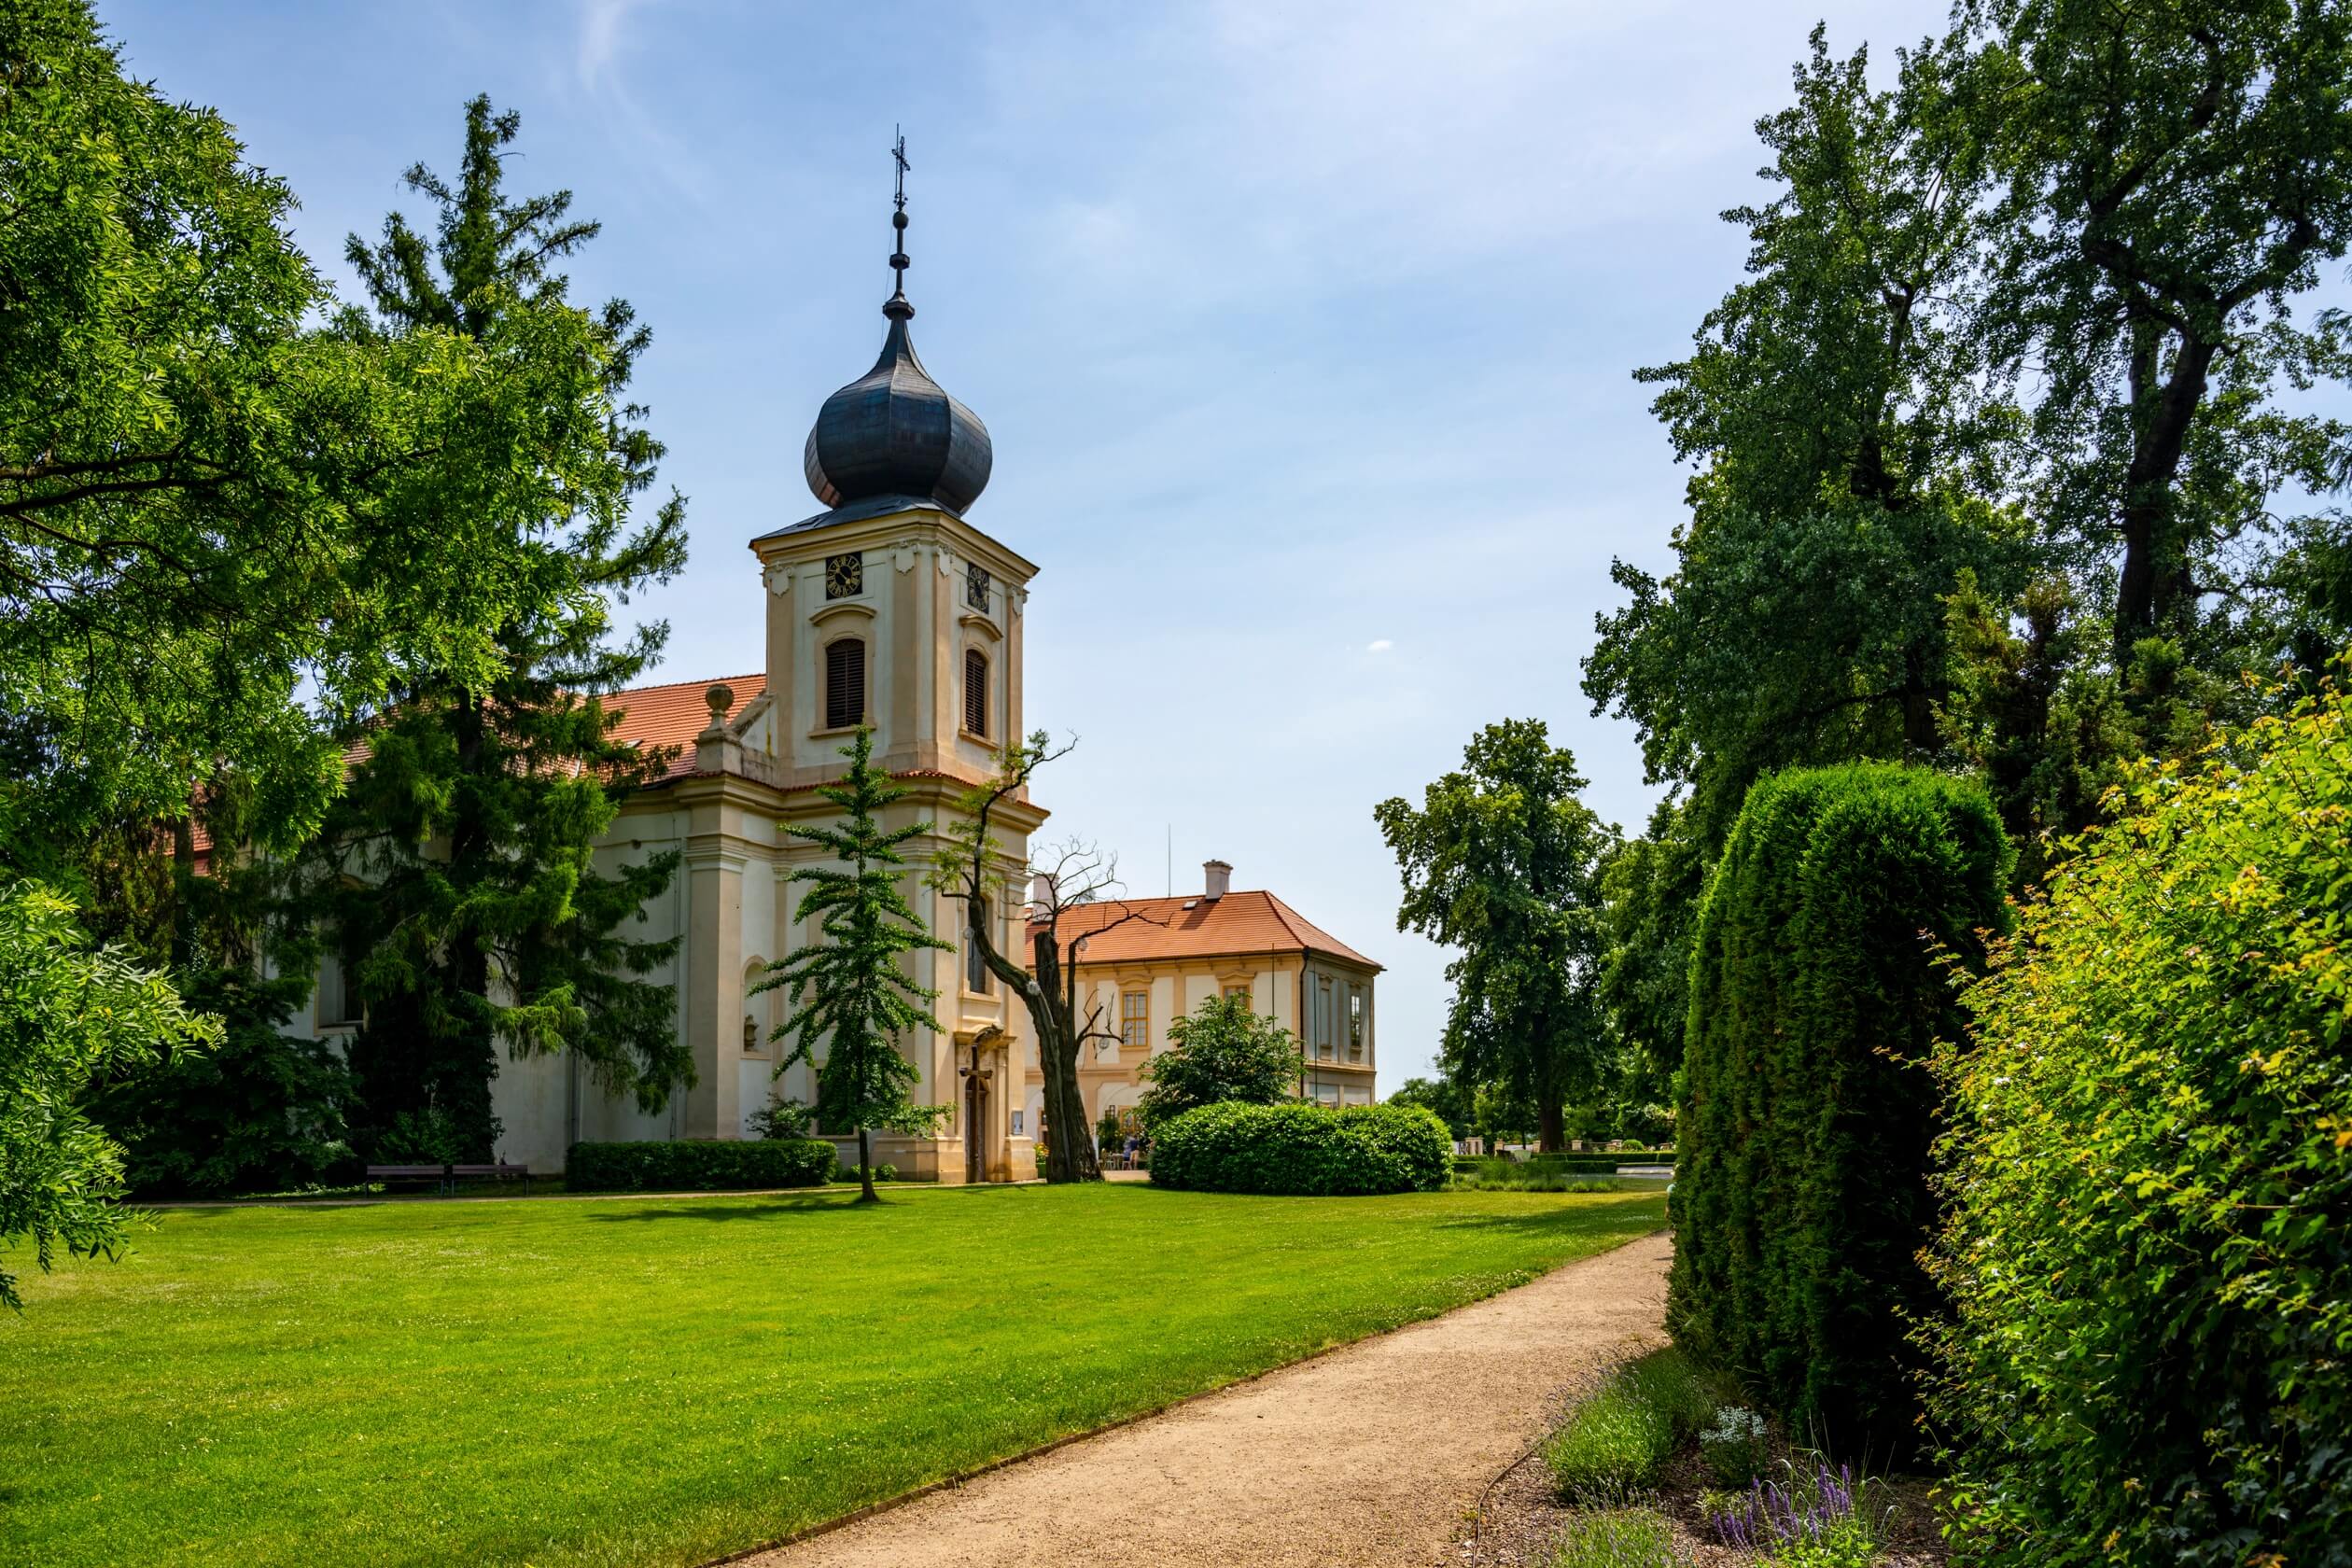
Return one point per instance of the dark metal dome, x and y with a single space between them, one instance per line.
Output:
894 432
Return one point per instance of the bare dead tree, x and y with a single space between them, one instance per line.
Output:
1077 874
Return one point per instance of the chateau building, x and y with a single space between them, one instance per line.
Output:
889 608
1157 958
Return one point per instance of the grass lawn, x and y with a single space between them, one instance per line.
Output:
662 1381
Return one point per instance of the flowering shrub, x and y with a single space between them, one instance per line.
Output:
1777 1518
2150 1179
1734 1444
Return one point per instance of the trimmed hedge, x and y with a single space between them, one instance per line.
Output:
1306 1149
2149 1244
699 1167
1818 990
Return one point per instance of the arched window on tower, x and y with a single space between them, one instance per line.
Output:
845 683
975 692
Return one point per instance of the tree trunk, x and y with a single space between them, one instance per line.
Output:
865 1171
1551 1126
1071 1155
1919 737
2154 585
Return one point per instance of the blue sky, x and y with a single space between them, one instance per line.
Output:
1304 331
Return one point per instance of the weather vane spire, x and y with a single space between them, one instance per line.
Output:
897 308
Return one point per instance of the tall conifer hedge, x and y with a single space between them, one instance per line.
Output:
1818 990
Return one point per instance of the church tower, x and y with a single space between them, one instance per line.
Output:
889 608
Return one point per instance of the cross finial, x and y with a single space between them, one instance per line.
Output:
897 306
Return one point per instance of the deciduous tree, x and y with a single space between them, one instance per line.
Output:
69 1015
1501 861
1845 441
2174 173
1225 1050
974 869
223 528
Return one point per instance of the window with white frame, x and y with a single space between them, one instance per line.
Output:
1356 1023
1323 1016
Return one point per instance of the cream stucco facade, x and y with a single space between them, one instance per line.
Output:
1158 959
930 593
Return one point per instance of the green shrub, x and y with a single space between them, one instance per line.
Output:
1621 1437
1801 1198
1303 1149
843 1171
1617 1538
2149 1242
699 1167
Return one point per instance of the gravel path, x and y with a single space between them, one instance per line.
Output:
1372 1455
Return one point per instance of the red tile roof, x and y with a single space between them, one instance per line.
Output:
672 715
1194 927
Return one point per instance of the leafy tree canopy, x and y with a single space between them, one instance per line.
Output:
225 529
1501 861
69 1015
1222 1051
1844 436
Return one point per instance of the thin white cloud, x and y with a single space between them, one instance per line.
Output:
1379 645
599 62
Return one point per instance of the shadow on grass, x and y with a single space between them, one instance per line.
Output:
1625 1217
740 1208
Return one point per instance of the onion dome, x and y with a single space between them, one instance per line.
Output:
893 431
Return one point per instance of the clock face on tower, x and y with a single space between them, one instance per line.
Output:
845 575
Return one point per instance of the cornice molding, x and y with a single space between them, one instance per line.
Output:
842 609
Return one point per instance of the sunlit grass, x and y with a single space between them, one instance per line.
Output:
662 1381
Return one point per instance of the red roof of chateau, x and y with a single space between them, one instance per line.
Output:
1196 927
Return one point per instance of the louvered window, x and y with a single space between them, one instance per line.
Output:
975 692
845 683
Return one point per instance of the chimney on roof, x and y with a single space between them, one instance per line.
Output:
1217 877
1042 892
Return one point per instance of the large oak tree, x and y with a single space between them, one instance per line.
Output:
1501 861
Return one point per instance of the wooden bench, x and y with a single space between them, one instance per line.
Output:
447 1177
